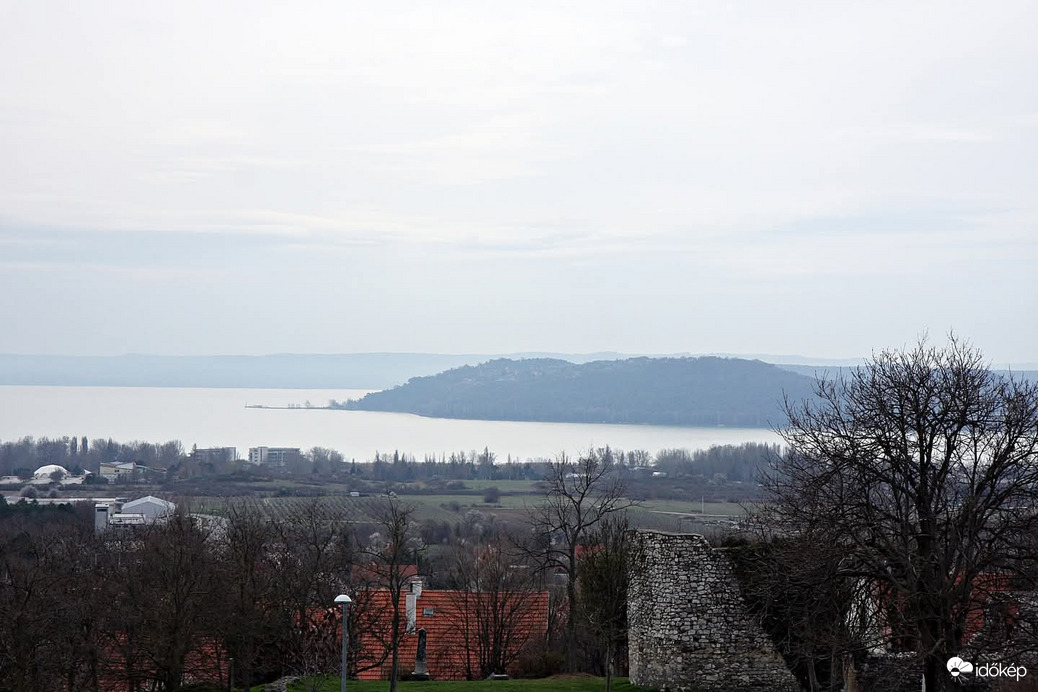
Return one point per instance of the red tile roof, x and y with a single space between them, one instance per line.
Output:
439 613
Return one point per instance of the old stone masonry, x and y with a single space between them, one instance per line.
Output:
689 629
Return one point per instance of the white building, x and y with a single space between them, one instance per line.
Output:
45 476
153 508
145 510
45 472
274 456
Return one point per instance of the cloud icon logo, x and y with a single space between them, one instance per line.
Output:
957 666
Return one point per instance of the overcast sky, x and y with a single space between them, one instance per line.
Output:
824 178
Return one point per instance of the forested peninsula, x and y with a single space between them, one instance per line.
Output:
706 391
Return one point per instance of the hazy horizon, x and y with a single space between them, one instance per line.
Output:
774 358
827 179
526 354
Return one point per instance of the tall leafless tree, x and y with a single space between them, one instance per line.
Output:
251 596
922 466
795 586
370 623
492 598
163 591
388 554
579 495
50 606
605 572
312 560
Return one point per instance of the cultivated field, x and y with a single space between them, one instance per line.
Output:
335 504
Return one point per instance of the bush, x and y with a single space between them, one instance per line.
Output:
492 495
29 492
539 664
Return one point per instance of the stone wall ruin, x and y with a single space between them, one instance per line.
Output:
688 626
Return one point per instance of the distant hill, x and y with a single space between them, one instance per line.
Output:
705 391
837 371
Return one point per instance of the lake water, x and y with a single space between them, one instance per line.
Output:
218 418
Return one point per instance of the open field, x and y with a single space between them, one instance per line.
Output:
503 486
280 498
451 507
506 501
694 506
577 683
331 507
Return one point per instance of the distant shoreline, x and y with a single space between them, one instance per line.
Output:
300 407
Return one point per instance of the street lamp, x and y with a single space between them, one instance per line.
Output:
345 601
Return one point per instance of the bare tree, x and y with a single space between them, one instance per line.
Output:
370 624
492 598
579 495
390 552
922 466
162 605
49 604
814 613
312 560
250 605
605 572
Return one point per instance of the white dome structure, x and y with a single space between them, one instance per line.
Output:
151 507
46 471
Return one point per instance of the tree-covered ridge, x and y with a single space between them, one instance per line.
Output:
703 391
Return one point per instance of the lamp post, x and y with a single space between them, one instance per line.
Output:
345 601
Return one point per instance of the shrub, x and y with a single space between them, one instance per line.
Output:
492 495
539 664
201 687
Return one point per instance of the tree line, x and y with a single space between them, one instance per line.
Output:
77 454
191 602
435 473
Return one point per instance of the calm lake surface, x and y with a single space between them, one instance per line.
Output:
218 418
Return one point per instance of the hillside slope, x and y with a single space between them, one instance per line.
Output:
661 391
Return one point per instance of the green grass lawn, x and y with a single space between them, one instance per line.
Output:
557 683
